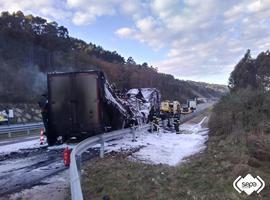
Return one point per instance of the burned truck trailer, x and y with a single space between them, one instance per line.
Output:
81 104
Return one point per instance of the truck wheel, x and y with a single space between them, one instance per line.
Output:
65 138
51 139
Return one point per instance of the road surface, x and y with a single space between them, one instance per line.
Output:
26 165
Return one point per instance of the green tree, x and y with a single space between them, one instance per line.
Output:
145 65
130 61
244 74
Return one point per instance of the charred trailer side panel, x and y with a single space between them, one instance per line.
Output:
77 105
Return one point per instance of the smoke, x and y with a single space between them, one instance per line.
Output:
25 84
39 82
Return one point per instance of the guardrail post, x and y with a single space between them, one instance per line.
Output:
28 131
101 152
139 127
9 134
79 163
133 134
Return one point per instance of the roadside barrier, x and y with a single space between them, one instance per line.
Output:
41 136
10 129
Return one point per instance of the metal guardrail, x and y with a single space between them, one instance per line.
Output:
9 129
75 184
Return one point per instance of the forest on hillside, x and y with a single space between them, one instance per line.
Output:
30 46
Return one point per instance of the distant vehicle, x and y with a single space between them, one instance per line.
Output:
81 104
185 109
192 104
171 107
3 117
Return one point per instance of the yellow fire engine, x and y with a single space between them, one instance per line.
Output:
171 107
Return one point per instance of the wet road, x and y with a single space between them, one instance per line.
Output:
27 168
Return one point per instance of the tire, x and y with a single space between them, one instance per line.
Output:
51 139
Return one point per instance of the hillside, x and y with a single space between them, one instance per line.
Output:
30 47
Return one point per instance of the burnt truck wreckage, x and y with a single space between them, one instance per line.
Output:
144 102
82 104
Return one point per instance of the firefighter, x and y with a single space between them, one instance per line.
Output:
43 104
163 118
144 119
133 122
155 123
151 115
176 123
169 122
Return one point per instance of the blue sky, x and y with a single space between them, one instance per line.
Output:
190 39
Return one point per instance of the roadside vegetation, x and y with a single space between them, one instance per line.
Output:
245 112
239 140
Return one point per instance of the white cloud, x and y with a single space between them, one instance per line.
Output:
44 8
81 18
203 38
87 11
258 5
166 8
146 25
124 32
130 7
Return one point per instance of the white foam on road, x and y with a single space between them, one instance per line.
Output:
13 140
62 146
34 142
163 148
20 145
